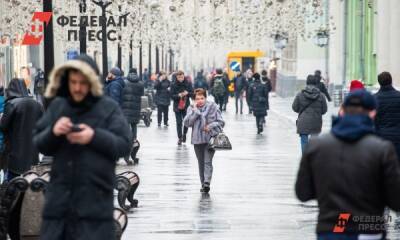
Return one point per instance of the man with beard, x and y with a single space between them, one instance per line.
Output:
86 133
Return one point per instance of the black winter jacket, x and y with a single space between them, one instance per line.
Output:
359 175
132 98
321 86
314 105
179 87
19 119
258 95
387 121
241 84
163 94
82 176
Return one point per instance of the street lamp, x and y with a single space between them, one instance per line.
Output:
322 38
48 42
280 41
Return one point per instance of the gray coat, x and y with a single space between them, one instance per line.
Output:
310 120
197 119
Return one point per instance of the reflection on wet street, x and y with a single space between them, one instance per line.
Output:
252 191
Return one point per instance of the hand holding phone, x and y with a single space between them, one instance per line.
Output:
76 128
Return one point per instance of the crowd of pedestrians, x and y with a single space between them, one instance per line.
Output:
352 169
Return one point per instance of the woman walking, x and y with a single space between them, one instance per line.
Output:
163 98
258 96
206 121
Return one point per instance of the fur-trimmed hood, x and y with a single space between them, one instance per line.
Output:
86 66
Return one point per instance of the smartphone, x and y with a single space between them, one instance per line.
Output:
76 128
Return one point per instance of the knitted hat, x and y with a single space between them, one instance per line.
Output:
116 71
356 85
360 98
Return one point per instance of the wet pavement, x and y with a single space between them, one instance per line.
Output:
252 191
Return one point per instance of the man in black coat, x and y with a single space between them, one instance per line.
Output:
321 85
241 86
131 104
387 121
258 95
249 80
163 98
352 174
131 100
19 118
181 92
86 133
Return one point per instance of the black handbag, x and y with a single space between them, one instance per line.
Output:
220 143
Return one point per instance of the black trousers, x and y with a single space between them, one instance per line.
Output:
163 110
134 130
220 100
180 129
260 121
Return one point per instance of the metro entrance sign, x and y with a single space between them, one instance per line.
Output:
235 66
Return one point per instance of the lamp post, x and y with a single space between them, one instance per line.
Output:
103 4
280 41
48 42
131 53
150 68
82 28
141 61
157 60
321 39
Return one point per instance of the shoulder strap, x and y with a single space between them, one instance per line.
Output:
307 106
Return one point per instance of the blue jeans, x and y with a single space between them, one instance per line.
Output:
303 141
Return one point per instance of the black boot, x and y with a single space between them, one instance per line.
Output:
206 187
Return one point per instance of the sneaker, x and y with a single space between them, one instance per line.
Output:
166 125
259 131
159 125
184 138
180 141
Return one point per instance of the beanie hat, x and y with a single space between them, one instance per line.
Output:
133 70
116 71
312 80
360 98
356 85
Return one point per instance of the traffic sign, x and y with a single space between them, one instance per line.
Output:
235 66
